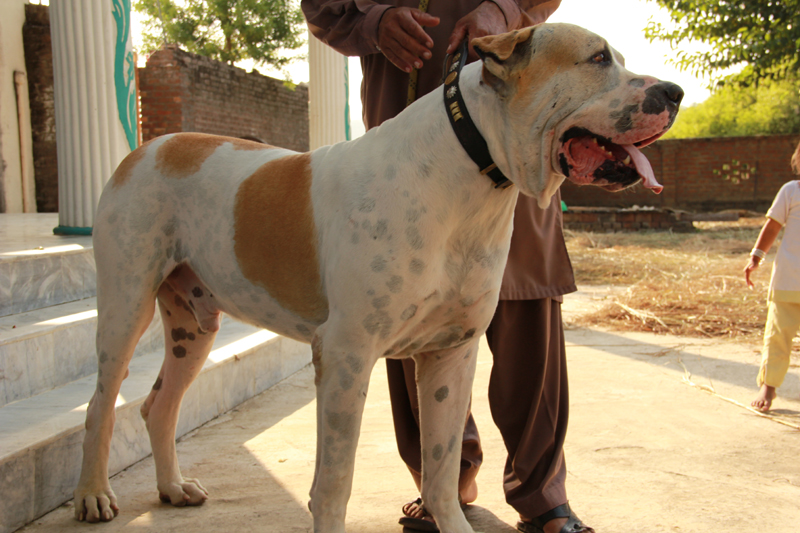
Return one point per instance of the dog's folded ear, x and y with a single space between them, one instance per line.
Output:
504 54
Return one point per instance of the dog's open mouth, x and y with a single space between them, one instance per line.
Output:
587 158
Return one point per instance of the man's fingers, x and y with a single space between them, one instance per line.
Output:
403 40
424 19
458 35
413 27
399 56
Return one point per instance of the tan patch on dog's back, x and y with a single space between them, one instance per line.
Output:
126 166
184 154
275 236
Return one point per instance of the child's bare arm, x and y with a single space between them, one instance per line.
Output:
764 242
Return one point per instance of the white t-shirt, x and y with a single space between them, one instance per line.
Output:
785 283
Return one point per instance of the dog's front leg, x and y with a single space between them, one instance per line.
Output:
444 384
342 379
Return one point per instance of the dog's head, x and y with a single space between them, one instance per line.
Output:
571 110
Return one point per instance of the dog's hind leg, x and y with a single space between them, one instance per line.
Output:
187 347
122 319
342 379
444 384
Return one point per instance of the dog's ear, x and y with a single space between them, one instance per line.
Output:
504 54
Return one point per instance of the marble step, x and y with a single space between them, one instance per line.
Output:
46 275
41 437
47 348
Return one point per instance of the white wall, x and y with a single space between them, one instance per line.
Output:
12 58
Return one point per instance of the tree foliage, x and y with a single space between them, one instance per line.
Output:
763 36
769 108
226 30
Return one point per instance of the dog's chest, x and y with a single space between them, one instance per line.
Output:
456 305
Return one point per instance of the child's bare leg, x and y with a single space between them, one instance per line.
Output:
764 398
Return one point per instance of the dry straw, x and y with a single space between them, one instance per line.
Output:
688 284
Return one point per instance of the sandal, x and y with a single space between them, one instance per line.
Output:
426 522
573 525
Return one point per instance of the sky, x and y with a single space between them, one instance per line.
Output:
621 22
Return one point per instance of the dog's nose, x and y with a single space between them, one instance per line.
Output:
674 92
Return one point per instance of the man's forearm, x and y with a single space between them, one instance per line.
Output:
520 13
348 26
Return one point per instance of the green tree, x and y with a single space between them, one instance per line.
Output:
763 36
226 30
769 108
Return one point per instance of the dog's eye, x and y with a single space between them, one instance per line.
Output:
601 57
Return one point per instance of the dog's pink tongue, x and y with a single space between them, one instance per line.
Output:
643 168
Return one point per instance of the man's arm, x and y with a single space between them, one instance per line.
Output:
522 13
362 27
348 26
498 16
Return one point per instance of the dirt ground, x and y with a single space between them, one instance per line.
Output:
659 441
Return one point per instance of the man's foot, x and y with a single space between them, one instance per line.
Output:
417 518
764 398
558 520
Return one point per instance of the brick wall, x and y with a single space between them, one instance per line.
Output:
685 168
185 92
39 65
610 220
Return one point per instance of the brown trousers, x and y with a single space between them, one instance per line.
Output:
528 398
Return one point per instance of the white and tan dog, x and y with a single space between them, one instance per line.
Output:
391 245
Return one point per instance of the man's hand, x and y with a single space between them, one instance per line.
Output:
486 19
402 39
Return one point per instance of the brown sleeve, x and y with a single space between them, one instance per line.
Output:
348 26
521 13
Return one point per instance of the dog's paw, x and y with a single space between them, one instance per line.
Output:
95 505
187 492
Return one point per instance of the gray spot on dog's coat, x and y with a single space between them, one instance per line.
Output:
367 205
624 118
380 303
378 264
355 363
414 238
438 451
409 312
441 393
379 323
346 379
636 82
416 266
380 229
395 284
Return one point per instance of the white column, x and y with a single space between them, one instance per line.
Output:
94 102
327 93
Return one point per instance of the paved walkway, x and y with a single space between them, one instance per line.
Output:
657 444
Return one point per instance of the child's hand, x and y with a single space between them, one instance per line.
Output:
752 265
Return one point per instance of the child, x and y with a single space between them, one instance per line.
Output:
783 315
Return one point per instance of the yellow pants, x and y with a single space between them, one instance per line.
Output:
783 321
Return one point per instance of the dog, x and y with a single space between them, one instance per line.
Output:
390 245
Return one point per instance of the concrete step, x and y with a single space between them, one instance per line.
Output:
39 269
41 437
50 347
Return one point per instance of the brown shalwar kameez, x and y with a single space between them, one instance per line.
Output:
528 387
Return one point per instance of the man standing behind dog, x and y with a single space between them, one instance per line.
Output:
528 386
